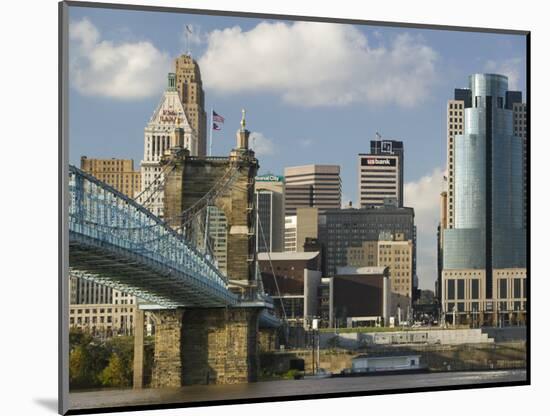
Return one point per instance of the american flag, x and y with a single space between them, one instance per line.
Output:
215 127
217 118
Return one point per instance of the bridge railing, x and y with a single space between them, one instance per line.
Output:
99 211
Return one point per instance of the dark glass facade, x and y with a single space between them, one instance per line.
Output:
343 228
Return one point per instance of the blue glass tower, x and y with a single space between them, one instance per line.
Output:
489 232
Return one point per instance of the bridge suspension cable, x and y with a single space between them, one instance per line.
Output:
224 183
272 269
158 181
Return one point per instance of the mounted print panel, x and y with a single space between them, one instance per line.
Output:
265 208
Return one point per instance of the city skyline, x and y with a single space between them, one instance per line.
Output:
313 125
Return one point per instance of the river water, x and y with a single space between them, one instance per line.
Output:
201 395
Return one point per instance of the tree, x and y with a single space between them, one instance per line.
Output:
116 374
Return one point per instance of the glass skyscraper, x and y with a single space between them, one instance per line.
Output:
488 228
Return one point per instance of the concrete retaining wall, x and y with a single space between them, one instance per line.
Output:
355 340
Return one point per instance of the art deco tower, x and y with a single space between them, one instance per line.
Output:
168 127
189 86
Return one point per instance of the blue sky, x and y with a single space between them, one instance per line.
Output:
314 93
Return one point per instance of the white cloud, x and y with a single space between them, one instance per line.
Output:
512 68
126 70
423 195
318 64
262 145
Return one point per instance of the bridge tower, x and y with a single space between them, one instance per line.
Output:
228 183
215 345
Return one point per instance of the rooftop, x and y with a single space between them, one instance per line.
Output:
289 255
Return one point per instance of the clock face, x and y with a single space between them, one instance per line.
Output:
386 147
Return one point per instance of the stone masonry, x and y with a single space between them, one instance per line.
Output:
212 346
192 177
167 369
206 346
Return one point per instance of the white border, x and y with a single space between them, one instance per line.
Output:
29 208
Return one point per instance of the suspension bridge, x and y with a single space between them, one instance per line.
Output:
116 241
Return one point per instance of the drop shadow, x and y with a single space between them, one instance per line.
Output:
49 404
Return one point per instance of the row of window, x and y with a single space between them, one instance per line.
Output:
475 307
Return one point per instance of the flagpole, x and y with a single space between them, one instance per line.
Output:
207 206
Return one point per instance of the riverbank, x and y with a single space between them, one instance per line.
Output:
462 357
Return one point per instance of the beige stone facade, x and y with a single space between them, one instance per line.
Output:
455 126
397 256
299 227
464 296
189 86
103 319
364 256
393 252
118 173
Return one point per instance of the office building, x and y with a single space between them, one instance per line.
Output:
270 191
393 252
455 126
295 285
317 186
99 309
396 253
217 233
118 173
520 130
301 227
359 297
104 320
487 236
343 228
365 255
167 128
291 231
191 94
380 173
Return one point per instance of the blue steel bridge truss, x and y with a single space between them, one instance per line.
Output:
118 243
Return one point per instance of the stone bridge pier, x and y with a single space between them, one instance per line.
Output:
202 346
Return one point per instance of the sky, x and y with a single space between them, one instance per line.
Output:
313 92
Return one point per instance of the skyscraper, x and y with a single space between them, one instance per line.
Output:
520 129
168 127
189 86
317 186
484 251
455 125
270 194
381 173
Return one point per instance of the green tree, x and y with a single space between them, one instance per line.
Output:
81 373
117 373
86 360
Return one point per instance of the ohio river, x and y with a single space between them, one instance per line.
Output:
265 389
